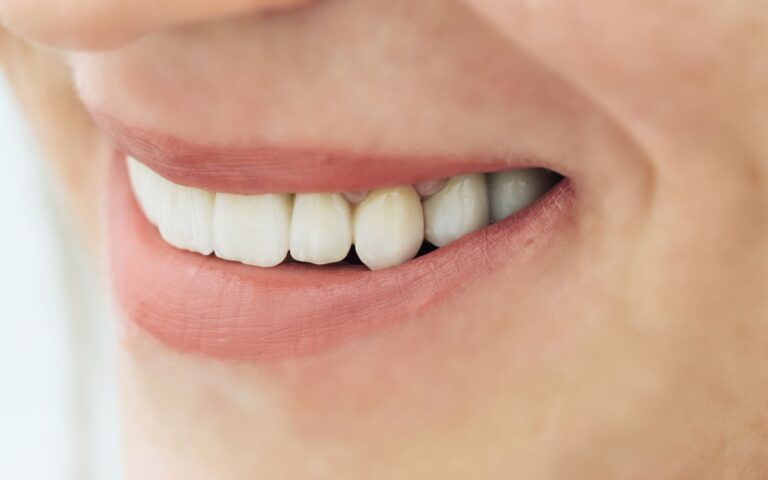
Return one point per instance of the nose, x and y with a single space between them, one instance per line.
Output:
104 24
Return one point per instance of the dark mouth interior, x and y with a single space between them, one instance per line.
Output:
353 259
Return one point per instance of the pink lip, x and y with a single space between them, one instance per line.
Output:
266 169
204 305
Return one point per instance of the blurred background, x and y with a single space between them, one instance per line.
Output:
58 409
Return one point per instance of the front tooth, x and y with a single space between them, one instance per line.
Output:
389 227
144 183
252 229
185 215
321 228
514 190
458 209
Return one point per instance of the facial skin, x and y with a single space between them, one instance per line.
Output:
639 354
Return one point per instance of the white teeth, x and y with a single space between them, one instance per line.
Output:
321 228
458 209
516 189
252 229
184 216
389 227
145 186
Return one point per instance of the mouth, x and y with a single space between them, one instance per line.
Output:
266 216
379 228
246 260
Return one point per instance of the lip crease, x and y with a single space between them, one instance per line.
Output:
204 305
264 168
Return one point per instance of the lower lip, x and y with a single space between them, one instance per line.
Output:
204 305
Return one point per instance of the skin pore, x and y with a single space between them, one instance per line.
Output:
636 351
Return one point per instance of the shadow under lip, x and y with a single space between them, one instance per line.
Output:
205 305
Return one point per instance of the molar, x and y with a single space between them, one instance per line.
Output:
514 190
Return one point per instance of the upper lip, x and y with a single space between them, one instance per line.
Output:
263 168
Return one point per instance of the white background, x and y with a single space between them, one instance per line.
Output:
58 416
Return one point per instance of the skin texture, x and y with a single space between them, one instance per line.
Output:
636 350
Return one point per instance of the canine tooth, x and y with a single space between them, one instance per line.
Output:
321 228
252 229
458 209
389 227
514 190
144 185
430 187
185 215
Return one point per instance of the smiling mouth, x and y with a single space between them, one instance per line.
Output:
212 261
379 228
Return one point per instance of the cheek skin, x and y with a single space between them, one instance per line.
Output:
680 71
104 24
70 144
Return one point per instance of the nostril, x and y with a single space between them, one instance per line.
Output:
94 25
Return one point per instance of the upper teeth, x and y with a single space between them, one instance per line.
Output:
458 209
387 226
252 229
321 228
185 216
514 190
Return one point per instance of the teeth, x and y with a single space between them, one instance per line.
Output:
389 227
184 216
252 229
516 189
321 228
458 209
145 186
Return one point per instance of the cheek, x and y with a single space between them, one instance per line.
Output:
70 145
104 24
